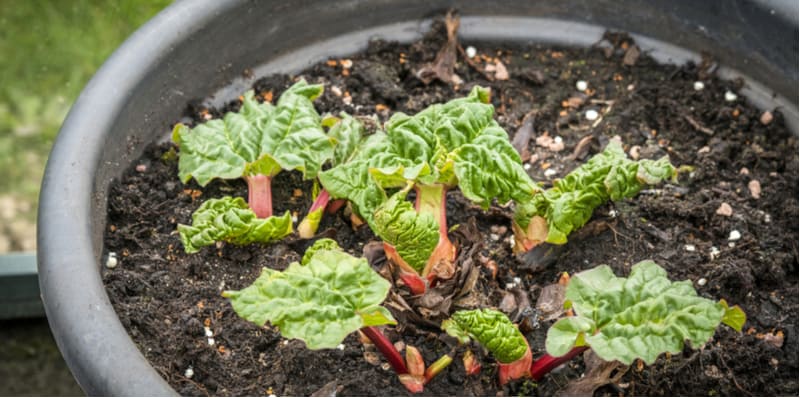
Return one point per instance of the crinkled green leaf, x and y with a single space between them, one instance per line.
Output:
456 143
609 175
320 244
259 139
353 182
414 235
351 179
492 329
321 302
567 333
641 316
348 133
231 220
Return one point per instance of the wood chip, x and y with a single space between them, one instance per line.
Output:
755 189
725 210
501 73
631 55
766 118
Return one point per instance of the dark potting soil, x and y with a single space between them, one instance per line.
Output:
166 298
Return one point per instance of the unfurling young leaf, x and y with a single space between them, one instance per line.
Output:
553 214
413 236
231 220
332 295
493 330
641 316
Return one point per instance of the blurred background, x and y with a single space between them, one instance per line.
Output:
49 49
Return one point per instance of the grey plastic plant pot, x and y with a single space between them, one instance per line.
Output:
199 49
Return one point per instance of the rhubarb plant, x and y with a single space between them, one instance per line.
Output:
622 319
456 144
231 220
255 143
352 151
493 330
551 215
320 301
639 317
325 297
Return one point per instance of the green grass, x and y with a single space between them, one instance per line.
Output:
50 49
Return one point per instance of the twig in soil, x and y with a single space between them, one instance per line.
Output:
733 378
444 65
474 65
523 136
610 104
697 126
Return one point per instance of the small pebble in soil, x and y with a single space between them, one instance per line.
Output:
689 248
494 237
767 218
766 118
713 253
725 210
385 366
755 189
549 173
631 87
471 51
211 341
141 168
499 229
699 86
635 152
730 96
581 85
731 244
702 282
705 149
112 261
592 114
744 171
526 166
340 347
188 373
336 91
735 235
208 331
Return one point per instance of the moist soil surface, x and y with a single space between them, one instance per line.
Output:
166 298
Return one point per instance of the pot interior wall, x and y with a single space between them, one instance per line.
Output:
205 46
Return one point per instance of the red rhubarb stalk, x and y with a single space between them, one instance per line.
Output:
308 227
515 370
546 362
432 199
334 206
386 348
260 195
407 274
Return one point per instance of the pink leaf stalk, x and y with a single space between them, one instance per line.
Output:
546 362
260 195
